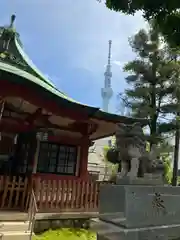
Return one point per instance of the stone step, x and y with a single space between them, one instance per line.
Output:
115 217
13 216
118 220
14 226
102 227
17 235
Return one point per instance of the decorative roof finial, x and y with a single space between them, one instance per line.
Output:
13 17
8 34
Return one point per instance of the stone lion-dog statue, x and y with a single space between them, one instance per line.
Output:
130 151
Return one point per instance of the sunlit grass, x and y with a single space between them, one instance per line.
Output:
66 234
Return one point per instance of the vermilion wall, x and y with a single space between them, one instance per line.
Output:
10 89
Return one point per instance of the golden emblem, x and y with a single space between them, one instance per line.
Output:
3 55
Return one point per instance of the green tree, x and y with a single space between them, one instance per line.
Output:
154 91
111 167
165 13
165 150
173 107
150 77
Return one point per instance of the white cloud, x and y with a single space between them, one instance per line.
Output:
118 63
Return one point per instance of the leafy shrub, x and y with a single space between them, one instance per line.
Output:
66 234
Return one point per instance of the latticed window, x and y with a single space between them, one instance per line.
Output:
57 159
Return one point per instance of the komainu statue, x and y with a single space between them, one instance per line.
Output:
131 152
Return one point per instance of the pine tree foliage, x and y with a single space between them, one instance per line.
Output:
164 12
153 77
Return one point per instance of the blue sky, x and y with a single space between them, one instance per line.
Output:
68 41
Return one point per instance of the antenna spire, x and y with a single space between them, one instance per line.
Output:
106 91
109 54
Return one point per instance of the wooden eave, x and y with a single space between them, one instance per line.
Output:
17 119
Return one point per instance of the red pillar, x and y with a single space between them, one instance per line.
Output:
84 158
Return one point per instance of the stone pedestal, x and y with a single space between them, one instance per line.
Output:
138 212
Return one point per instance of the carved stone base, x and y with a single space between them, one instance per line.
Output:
153 233
138 212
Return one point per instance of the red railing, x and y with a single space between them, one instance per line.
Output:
66 195
50 195
14 192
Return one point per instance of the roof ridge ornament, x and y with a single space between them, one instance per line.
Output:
13 17
8 33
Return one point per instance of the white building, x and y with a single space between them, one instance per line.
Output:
97 167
